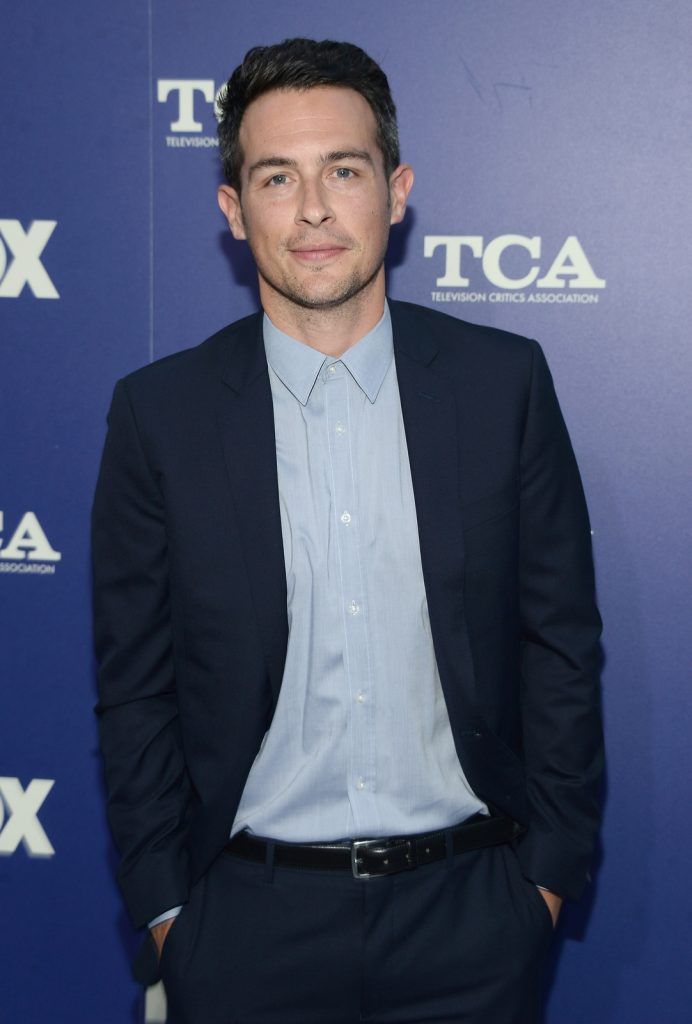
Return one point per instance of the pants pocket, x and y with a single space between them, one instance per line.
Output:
543 907
180 940
538 907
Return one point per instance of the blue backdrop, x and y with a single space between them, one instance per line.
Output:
551 146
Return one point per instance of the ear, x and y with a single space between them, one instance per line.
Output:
229 202
400 184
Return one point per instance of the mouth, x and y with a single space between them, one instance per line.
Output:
317 253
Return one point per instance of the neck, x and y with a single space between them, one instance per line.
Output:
331 331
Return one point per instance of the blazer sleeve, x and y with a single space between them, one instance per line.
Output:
560 651
148 790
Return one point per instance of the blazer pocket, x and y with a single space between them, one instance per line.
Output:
493 506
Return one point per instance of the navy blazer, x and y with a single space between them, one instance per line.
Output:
190 593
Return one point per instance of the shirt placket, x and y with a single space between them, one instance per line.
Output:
361 773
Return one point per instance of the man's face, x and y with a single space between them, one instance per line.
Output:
315 205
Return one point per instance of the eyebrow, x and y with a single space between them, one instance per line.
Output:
348 154
328 158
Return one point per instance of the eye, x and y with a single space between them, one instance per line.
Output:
344 173
278 179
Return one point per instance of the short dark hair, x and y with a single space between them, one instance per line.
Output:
303 64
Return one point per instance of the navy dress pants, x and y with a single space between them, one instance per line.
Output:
463 939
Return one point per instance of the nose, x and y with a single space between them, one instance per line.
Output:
313 204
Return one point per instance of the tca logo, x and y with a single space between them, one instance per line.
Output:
186 90
28 542
19 822
570 265
20 259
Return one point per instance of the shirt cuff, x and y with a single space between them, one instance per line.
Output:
166 916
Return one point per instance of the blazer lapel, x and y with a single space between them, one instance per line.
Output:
246 422
430 422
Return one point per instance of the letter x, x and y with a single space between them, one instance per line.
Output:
23 823
26 268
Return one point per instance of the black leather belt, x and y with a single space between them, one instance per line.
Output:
368 858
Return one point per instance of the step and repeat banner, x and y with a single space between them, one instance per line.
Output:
551 144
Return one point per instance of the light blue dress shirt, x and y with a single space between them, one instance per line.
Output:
360 744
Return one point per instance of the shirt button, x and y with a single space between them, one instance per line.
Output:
360 784
353 607
331 368
360 697
345 517
339 428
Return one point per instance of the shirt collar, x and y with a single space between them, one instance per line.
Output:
298 364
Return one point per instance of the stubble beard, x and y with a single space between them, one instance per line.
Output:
298 294
342 291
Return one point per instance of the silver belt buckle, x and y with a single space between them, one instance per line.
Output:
357 844
355 847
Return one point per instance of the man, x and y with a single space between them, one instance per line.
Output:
344 611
